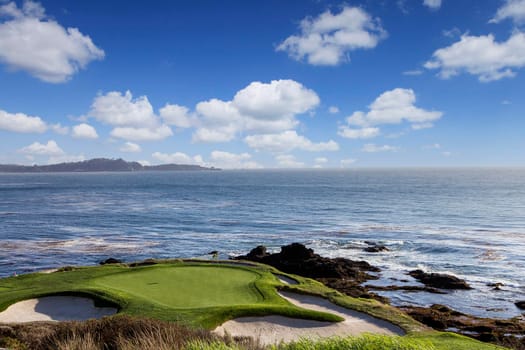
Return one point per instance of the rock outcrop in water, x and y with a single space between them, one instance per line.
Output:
439 280
347 275
342 274
503 332
376 248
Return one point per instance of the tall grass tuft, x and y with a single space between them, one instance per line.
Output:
78 342
112 333
364 342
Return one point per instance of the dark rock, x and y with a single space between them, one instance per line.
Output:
407 288
110 261
146 262
296 251
435 323
441 308
296 258
439 280
486 337
256 253
520 304
479 329
376 249
497 331
496 285
213 252
341 274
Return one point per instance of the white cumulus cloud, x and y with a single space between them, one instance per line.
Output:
220 121
130 147
433 4
361 133
333 110
481 56
142 134
258 108
59 129
373 148
227 160
51 148
329 38
288 161
84 131
22 123
176 115
276 100
391 107
31 42
288 141
177 158
512 9
133 119
115 108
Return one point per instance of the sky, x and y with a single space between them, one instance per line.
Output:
264 84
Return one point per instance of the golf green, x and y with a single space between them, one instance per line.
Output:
187 286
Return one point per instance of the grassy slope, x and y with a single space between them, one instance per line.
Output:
206 295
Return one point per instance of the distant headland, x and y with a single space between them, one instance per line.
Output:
99 164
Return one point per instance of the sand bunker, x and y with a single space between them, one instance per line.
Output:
55 308
286 280
274 329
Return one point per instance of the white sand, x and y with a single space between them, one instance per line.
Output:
274 329
55 308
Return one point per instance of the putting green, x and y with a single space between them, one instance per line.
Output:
187 286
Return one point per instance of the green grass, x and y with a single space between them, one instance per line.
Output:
364 342
198 294
443 341
205 295
187 286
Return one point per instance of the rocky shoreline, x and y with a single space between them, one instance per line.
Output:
348 276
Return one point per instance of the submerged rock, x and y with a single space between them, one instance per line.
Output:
520 304
439 280
376 249
496 285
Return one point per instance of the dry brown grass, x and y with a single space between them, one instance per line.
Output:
115 333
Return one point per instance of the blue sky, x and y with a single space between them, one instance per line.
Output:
273 84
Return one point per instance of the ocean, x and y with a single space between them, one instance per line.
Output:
465 222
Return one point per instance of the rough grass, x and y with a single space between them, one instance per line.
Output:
129 333
109 333
364 342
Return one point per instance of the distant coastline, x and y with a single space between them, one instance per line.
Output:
98 165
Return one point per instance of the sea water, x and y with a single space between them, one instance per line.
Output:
465 222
